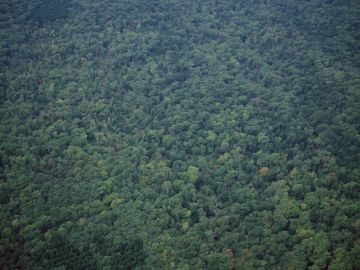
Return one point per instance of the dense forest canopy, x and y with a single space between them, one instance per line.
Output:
166 134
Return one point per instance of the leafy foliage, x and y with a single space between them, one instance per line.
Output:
51 10
179 134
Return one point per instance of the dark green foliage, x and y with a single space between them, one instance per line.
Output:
179 134
127 255
59 252
51 10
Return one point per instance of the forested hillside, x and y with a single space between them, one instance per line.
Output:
180 134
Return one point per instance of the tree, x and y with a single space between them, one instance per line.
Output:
193 173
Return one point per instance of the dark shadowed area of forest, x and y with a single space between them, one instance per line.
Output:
168 134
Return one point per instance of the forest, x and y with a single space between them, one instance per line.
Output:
168 134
